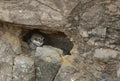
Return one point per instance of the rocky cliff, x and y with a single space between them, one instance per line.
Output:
81 40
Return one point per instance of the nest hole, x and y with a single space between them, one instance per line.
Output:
52 38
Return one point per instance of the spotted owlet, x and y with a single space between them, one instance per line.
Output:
36 40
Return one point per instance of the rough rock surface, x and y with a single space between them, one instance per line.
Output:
93 26
6 61
47 63
67 72
37 12
23 69
106 54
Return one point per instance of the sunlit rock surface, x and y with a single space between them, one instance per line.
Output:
93 27
37 12
6 61
23 69
47 63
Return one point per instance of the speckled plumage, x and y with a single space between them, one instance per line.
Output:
36 40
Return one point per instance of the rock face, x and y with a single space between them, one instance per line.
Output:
6 61
106 54
67 72
23 69
37 12
93 27
47 63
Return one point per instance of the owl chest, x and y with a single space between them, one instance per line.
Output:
32 46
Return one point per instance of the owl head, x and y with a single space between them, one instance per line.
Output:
37 39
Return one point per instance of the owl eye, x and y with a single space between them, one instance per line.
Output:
40 40
36 39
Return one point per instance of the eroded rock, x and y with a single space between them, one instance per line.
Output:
67 72
47 62
92 25
106 54
11 36
118 73
37 12
6 61
23 69
49 54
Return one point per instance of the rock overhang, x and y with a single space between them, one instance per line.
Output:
51 13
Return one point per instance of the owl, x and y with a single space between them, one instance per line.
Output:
36 40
